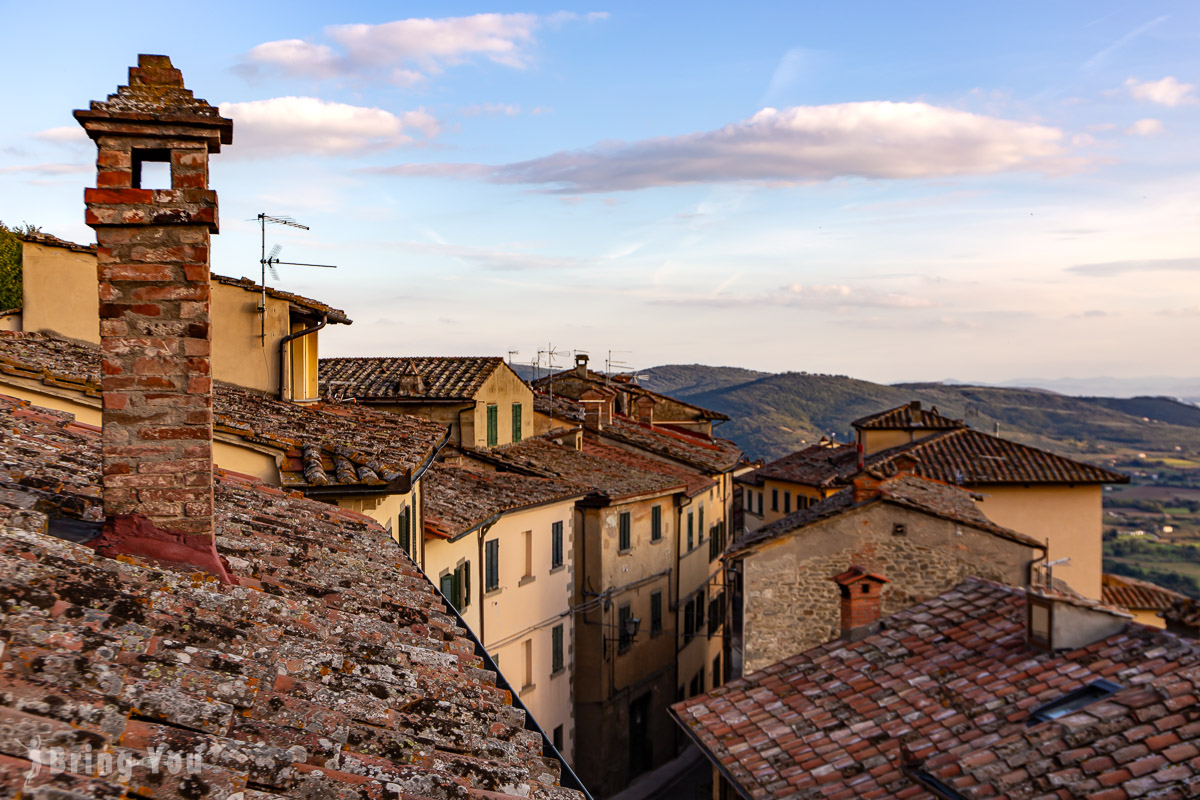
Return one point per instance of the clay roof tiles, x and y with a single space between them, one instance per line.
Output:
458 498
948 686
323 444
385 378
908 416
816 465
332 670
969 457
608 471
1131 593
621 382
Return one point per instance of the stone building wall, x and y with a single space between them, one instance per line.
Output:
790 605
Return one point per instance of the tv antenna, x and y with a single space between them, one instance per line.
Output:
268 262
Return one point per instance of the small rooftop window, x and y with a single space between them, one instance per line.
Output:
1073 701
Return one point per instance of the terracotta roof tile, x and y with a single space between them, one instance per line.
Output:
818 465
687 447
620 382
1131 593
910 416
331 671
949 685
458 498
971 458
323 444
608 471
384 379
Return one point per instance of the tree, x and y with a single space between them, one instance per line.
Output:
10 264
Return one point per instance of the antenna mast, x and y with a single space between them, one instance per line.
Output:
268 262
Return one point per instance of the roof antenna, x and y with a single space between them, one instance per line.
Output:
268 262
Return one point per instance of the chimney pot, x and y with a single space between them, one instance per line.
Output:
862 596
645 409
581 362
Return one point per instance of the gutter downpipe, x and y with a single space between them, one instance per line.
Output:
283 343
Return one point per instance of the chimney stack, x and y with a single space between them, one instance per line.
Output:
581 362
645 409
862 595
155 335
593 402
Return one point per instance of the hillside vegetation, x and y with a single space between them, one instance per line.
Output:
774 414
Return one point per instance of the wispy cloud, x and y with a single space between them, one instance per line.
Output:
801 144
1145 127
1111 268
48 169
492 110
1165 92
495 259
831 297
306 125
406 51
1102 56
68 134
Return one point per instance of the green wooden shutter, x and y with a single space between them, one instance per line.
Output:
493 564
557 660
516 422
493 426
466 584
447 586
656 523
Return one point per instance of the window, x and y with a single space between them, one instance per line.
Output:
716 608
695 684
556 648
1073 701
556 545
691 531
899 529
716 679
760 504
492 565
516 422
527 651
623 531
624 640
456 586
787 502
558 738
774 499
447 587
656 523
700 524
700 610
404 529
493 425
689 622
527 538
655 613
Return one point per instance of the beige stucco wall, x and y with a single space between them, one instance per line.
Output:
10 322
769 515
60 292
1148 617
236 456
240 354
1068 517
503 388
875 440
86 409
790 605
519 617
302 368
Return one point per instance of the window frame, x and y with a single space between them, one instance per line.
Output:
557 650
624 532
656 534
491 565
493 424
516 421
556 545
656 615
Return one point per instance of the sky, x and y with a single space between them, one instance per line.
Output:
892 191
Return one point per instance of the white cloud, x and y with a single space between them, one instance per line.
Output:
406 51
793 145
290 125
494 259
492 109
69 134
1165 92
48 169
1145 127
1110 268
829 297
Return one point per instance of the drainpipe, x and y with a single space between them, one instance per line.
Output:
283 343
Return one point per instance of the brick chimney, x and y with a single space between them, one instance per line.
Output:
155 334
581 362
645 409
865 487
862 594
593 402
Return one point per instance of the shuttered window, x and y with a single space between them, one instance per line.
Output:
493 426
655 613
623 530
655 523
556 655
516 422
404 524
492 565
556 545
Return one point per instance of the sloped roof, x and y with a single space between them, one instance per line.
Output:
458 499
608 471
323 444
335 315
621 383
332 670
910 491
1131 593
910 416
693 449
969 457
817 465
949 680
384 378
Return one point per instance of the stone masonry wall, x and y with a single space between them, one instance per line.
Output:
791 605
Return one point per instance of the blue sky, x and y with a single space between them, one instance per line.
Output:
968 190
